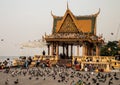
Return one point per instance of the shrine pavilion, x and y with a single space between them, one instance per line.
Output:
70 30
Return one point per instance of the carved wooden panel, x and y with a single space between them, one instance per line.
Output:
68 25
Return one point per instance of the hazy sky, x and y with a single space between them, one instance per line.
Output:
24 20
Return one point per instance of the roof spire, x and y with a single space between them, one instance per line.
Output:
67 6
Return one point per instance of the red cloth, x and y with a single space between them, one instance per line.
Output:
77 67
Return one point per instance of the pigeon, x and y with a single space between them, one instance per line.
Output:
30 78
89 83
6 82
94 80
16 81
109 75
116 78
97 84
115 74
37 78
110 82
43 78
54 78
111 78
59 81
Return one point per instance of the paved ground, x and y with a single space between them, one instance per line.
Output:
56 76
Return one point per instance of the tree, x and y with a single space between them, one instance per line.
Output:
110 49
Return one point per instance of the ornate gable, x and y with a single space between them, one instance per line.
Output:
74 24
68 25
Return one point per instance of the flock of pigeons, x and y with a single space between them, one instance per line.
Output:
63 76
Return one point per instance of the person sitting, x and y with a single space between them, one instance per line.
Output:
86 69
29 60
47 62
43 52
75 62
37 63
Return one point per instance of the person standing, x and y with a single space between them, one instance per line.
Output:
26 63
75 62
8 65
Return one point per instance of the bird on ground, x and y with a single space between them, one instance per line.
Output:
115 74
110 82
16 81
97 84
94 80
59 81
6 82
116 78
30 78
37 78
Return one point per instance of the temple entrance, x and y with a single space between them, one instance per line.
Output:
64 56
65 51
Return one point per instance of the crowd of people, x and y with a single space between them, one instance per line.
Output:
89 67
26 62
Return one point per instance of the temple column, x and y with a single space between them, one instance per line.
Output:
57 49
88 50
84 50
67 51
71 50
91 50
108 68
77 50
97 50
52 49
48 49
63 51
82 66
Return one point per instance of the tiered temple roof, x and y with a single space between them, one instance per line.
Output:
74 28
74 24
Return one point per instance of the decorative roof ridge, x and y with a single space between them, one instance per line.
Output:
96 14
69 11
54 16
92 15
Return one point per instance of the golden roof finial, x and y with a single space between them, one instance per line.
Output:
67 6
